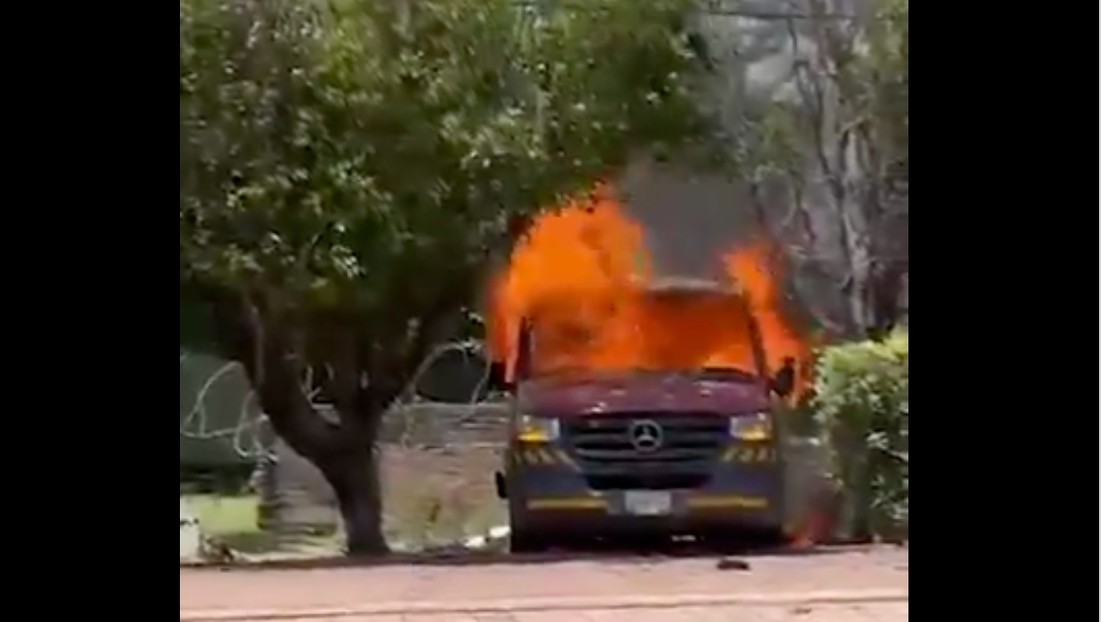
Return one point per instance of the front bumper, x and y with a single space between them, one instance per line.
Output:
549 490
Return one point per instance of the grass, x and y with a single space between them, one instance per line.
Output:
233 520
223 515
430 497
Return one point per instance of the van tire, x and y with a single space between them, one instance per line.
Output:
522 542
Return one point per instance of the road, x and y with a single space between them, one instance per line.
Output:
867 585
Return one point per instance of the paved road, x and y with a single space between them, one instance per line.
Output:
867 585
871 612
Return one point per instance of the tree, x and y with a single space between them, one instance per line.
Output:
827 161
349 169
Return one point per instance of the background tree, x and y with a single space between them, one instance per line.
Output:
825 154
349 169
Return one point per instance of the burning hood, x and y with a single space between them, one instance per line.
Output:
583 278
609 392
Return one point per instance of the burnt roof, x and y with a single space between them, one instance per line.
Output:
689 285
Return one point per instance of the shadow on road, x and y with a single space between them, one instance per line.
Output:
611 553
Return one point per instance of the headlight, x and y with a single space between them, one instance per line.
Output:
753 427
538 429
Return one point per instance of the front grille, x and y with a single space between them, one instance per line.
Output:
602 445
646 481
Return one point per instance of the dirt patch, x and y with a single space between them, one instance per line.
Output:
439 495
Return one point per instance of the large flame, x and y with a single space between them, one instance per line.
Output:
581 275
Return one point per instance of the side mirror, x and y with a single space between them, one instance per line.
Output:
496 380
523 364
783 381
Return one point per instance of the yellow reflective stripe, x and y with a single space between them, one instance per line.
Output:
570 503
728 501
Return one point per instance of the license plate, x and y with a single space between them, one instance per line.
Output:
647 502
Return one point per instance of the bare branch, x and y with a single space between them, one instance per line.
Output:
811 90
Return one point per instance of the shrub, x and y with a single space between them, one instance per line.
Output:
862 408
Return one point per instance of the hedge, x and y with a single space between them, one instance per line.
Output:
861 406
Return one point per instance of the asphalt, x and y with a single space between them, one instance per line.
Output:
554 604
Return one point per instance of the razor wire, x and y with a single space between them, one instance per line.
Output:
248 430
251 426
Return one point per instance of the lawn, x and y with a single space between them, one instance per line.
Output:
233 520
222 515
430 498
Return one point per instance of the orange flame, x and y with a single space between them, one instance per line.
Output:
581 275
750 269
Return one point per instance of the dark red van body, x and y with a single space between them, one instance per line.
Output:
644 453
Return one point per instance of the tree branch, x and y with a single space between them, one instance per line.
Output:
249 335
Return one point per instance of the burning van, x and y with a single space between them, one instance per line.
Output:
633 450
640 397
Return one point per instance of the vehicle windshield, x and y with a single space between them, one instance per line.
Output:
697 332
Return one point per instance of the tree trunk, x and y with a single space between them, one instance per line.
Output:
343 453
354 476
886 298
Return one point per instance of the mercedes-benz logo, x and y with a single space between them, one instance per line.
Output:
646 435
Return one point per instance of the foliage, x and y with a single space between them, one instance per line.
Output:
885 68
826 160
329 153
348 170
862 405
866 64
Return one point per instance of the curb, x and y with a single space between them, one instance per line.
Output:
550 604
